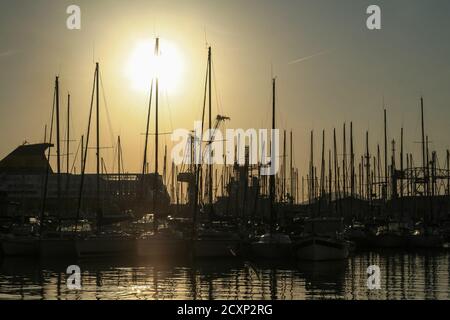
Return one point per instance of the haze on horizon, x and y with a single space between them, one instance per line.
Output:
343 71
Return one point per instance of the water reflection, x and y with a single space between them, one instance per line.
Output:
420 275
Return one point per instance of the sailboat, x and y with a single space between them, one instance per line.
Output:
427 234
322 240
54 242
389 235
101 243
25 239
159 242
22 241
213 242
210 241
272 245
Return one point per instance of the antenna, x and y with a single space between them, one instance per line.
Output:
93 52
206 38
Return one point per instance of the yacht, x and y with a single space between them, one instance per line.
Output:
212 242
164 243
105 244
322 240
391 235
23 240
272 246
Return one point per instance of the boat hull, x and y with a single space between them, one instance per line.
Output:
388 241
210 248
271 250
94 247
20 247
161 247
425 242
57 248
321 249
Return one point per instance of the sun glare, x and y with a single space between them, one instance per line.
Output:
143 65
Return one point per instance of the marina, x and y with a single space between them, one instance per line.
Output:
296 185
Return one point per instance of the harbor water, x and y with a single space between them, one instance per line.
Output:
405 275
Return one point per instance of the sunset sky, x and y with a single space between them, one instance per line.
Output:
349 70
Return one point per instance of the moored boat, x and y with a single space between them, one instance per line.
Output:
215 243
162 244
317 248
57 247
426 238
20 246
105 245
322 240
272 246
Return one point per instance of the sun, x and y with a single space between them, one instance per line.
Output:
143 65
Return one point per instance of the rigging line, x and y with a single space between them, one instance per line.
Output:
147 128
108 117
83 169
204 96
115 153
186 155
44 197
218 98
170 112
75 158
121 160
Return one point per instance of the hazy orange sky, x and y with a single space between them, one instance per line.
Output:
346 81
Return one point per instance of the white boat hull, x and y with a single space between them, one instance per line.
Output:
322 249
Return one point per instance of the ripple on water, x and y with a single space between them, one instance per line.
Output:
403 276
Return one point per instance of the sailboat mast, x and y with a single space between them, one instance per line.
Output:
272 176
448 172
322 170
423 147
156 116
210 167
352 169
330 180
283 186
47 171
82 152
291 167
119 165
336 177
385 158
344 162
402 174
310 181
58 147
97 97
368 182
68 134
68 154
